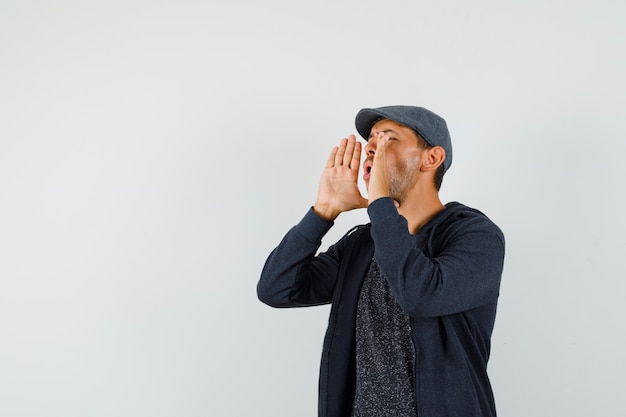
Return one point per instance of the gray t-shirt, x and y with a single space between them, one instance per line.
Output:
385 355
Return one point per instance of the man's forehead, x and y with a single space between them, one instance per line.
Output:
388 125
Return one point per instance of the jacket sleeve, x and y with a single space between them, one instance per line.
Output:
463 275
293 276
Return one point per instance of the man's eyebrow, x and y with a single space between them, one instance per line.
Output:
382 131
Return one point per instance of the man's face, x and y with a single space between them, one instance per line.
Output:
402 153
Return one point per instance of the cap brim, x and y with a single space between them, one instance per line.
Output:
365 119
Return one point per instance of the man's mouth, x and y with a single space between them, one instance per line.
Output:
367 169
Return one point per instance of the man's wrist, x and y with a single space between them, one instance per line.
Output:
325 213
381 209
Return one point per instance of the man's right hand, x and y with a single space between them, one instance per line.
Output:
338 190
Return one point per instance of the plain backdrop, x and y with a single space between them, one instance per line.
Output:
152 153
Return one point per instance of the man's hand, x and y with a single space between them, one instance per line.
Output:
379 178
338 190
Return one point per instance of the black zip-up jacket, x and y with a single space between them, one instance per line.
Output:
446 278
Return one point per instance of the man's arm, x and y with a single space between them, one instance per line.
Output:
464 275
293 276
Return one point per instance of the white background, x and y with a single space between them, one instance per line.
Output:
152 153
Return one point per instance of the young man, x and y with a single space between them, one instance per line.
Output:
413 293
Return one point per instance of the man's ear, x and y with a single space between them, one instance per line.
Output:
433 158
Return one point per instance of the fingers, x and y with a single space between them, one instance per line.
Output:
355 162
379 176
331 158
379 155
347 156
347 153
341 152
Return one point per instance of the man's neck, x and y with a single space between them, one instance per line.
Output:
419 208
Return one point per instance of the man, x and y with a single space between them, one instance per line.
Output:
413 293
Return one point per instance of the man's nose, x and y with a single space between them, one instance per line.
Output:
372 143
